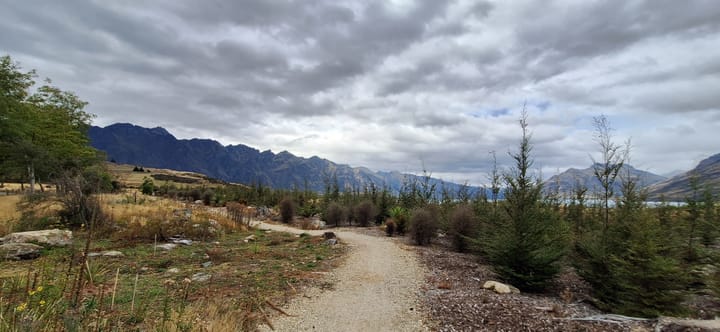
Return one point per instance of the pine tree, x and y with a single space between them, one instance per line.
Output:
527 244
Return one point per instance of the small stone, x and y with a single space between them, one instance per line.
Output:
250 238
331 242
173 270
181 241
201 277
207 264
166 246
109 253
329 235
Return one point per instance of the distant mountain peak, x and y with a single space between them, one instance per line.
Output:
707 172
566 181
156 147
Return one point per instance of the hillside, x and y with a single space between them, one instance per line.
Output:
566 181
707 173
156 147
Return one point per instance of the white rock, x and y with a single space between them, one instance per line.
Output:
201 277
500 288
109 253
167 246
48 237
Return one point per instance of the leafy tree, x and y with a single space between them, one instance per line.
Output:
527 245
44 134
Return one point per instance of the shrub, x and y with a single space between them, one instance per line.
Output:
287 210
400 216
334 214
463 226
365 212
147 187
422 226
389 227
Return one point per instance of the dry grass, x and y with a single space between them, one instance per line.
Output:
130 179
245 275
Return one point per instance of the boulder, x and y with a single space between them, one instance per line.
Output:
19 251
48 237
500 288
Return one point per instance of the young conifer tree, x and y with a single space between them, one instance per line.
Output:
528 241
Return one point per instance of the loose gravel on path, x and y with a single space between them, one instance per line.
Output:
376 289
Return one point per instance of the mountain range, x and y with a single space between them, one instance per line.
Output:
570 179
156 147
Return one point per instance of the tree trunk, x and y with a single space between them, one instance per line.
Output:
31 175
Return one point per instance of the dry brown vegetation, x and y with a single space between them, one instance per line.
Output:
247 272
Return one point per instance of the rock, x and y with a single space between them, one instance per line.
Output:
48 237
500 288
166 246
207 264
198 202
18 251
679 324
331 242
178 240
173 270
250 238
201 277
329 235
108 253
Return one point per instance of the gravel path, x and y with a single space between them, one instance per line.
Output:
376 289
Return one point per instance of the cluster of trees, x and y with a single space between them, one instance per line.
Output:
43 129
637 258
43 139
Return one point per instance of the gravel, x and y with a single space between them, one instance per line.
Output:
376 289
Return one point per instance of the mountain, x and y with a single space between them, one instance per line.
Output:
707 173
156 147
566 181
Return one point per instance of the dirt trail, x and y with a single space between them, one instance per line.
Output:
376 289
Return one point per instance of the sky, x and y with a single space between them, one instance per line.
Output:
392 85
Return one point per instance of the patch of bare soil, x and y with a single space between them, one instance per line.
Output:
456 300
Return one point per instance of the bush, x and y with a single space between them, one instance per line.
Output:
389 227
335 214
365 212
147 187
287 210
422 226
400 216
463 226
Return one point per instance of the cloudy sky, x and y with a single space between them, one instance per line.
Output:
392 85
